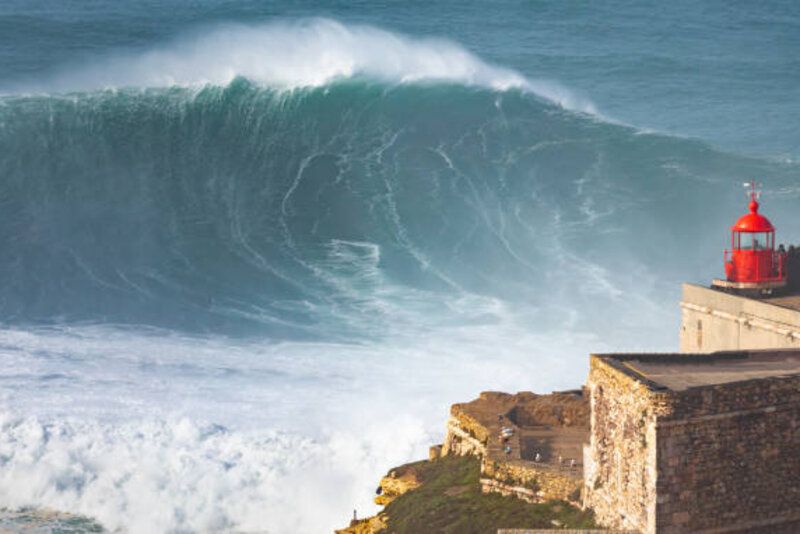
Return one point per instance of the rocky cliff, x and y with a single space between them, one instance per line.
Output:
470 484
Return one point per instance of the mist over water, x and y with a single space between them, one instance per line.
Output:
249 270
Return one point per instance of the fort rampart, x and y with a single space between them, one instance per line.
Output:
673 454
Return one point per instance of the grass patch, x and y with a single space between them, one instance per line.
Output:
450 501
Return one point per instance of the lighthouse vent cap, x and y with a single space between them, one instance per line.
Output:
753 221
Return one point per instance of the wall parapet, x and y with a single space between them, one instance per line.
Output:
532 482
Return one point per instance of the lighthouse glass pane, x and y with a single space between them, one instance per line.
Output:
754 241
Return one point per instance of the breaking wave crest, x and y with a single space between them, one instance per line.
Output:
306 53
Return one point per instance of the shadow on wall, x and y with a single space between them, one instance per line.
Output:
793 267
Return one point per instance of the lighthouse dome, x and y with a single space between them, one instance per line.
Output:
753 221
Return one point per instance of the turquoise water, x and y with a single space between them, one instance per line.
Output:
252 251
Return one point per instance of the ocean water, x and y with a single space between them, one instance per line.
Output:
251 252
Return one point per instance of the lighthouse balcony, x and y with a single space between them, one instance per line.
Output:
763 287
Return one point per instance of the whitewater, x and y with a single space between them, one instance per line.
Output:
248 270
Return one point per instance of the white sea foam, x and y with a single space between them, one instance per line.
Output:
164 475
306 53
151 431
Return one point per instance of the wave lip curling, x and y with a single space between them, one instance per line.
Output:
300 54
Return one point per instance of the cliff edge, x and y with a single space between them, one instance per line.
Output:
507 461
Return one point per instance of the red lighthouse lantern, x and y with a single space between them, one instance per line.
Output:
752 264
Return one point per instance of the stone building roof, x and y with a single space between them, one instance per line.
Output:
682 371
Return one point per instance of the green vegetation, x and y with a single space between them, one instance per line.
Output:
450 501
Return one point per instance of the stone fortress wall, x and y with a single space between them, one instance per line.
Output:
736 446
620 459
695 443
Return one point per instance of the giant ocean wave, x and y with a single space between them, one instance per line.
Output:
258 263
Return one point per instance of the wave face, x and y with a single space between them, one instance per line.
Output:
227 206
247 272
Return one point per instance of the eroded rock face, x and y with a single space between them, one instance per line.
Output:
397 482
461 439
556 410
